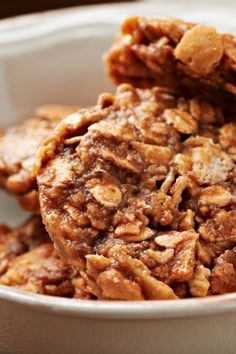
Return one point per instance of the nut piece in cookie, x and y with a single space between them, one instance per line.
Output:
18 145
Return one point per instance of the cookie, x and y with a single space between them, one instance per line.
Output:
28 261
188 58
138 194
21 239
18 145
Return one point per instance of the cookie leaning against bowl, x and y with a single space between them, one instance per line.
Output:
142 204
18 145
172 53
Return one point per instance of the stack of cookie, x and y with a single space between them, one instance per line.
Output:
138 193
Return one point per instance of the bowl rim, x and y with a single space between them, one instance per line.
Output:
155 309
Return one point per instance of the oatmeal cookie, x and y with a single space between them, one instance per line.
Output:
29 261
16 241
186 57
18 145
41 271
143 203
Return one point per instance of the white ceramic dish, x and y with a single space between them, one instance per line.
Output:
56 57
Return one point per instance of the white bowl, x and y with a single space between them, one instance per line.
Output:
56 58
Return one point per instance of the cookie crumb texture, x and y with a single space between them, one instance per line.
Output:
188 58
138 194
18 145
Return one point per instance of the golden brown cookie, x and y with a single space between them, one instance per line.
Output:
28 261
16 241
41 271
188 58
18 145
142 203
